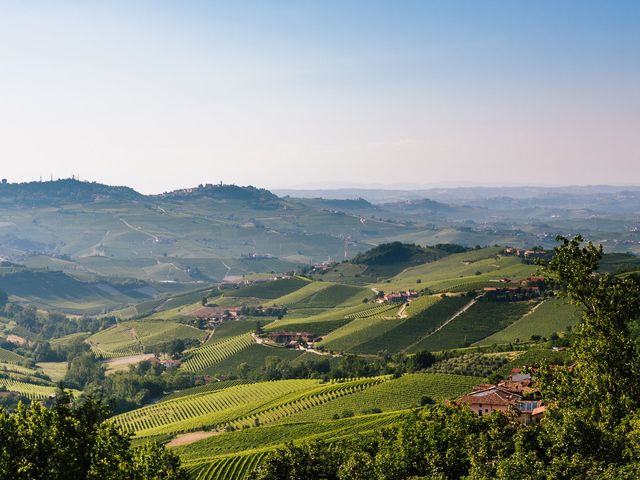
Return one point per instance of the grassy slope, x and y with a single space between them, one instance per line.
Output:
273 289
132 337
481 320
395 394
408 331
8 356
553 315
254 355
459 269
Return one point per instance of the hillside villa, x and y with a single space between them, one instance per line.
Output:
516 395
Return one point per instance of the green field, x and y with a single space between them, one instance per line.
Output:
476 267
238 406
254 355
135 337
481 320
54 370
551 316
396 394
209 354
273 289
408 331
7 356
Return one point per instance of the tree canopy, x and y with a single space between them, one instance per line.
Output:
72 441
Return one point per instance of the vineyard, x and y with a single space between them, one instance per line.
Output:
406 332
117 341
481 320
397 394
334 296
301 294
15 368
321 323
356 332
554 315
211 387
230 467
239 406
255 356
8 356
29 390
419 304
381 311
208 408
213 458
134 337
211 353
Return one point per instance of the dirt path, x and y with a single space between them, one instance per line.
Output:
139 230
445 323
455 315
402 313
122 364
187 438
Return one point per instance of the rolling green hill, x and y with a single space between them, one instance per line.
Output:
551 316
481 320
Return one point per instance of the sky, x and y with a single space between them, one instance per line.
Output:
160 95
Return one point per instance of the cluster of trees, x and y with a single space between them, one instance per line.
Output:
52 325
125 390
71 441
277 368
39 328
591 427
174 347
398 252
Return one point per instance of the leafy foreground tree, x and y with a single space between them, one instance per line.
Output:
591 428
73 442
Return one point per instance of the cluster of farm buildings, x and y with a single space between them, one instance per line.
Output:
517 394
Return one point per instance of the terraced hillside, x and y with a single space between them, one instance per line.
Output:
232 456
212 353
135 337
8 356
238 406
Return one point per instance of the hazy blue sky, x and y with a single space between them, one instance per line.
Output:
166 94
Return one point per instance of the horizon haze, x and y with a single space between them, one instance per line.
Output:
161 96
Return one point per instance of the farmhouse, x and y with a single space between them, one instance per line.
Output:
400 297
502 398
292 338
516 395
